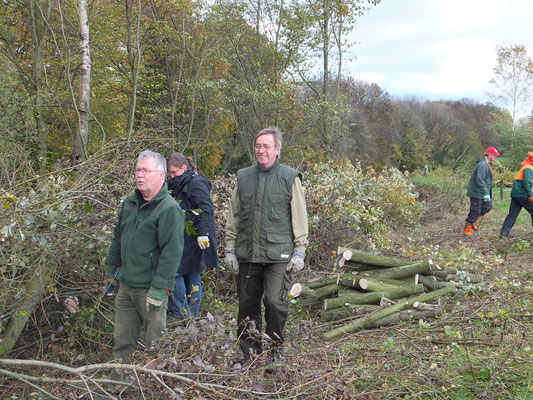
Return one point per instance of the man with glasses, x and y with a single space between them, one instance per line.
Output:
147 246
266 239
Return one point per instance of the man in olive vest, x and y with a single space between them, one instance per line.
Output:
266 239
521 195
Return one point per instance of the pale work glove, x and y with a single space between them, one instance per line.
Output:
203 242
296 263
154 299
231 260
486 197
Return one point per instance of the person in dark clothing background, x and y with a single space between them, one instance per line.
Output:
480 190
192 192
521 195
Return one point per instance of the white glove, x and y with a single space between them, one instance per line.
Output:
296 263
203 242
486 197
231 260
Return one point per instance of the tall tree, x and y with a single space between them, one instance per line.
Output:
85 81
513 78
23 19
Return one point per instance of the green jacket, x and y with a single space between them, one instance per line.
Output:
267 218
148 241
480 182
523 183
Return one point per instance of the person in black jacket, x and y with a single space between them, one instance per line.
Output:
192 192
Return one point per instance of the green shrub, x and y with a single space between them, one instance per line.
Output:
347 206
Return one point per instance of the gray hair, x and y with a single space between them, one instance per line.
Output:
275 132
160 162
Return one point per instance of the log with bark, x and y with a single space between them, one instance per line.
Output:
318 283
386 311
372 297
371 259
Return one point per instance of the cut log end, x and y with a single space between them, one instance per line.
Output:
347 254
296 290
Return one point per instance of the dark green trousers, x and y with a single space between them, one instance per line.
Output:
267 282
130 315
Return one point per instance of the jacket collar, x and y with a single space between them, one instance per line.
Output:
270 169
160 195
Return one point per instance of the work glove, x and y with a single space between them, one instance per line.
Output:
154 299
296 263
231 260
203 242
486 197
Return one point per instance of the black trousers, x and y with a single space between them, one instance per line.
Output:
517 203
478 208
270 283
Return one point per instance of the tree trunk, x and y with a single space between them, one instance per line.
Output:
347 311
80 145
348 280
404 316
371 259
134 61
35 288
404 271
322 282
384 312
38 39
315 295
375 285
372 297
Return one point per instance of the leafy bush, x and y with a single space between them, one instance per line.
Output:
347 206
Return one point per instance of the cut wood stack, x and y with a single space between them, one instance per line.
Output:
375 290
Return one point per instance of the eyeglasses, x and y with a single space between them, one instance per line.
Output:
145 171
264 146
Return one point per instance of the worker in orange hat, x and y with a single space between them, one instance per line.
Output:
480 190
521 195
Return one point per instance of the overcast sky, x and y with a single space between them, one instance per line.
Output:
437 49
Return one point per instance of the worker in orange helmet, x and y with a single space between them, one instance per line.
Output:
521 195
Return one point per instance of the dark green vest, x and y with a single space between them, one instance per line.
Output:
265 233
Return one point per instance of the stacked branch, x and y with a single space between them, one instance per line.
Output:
375 290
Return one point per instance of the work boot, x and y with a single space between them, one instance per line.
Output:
474 226
468 230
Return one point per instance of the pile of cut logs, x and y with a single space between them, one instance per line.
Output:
378 290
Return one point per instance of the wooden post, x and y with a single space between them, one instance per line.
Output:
501 188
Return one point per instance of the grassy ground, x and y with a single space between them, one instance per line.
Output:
481 348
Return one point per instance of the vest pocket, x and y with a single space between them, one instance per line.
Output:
279 246
276 208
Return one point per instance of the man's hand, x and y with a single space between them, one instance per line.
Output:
231 260
154 299
530 199
203 242
110 280
486 197
296 263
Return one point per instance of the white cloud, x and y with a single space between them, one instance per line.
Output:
437 49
